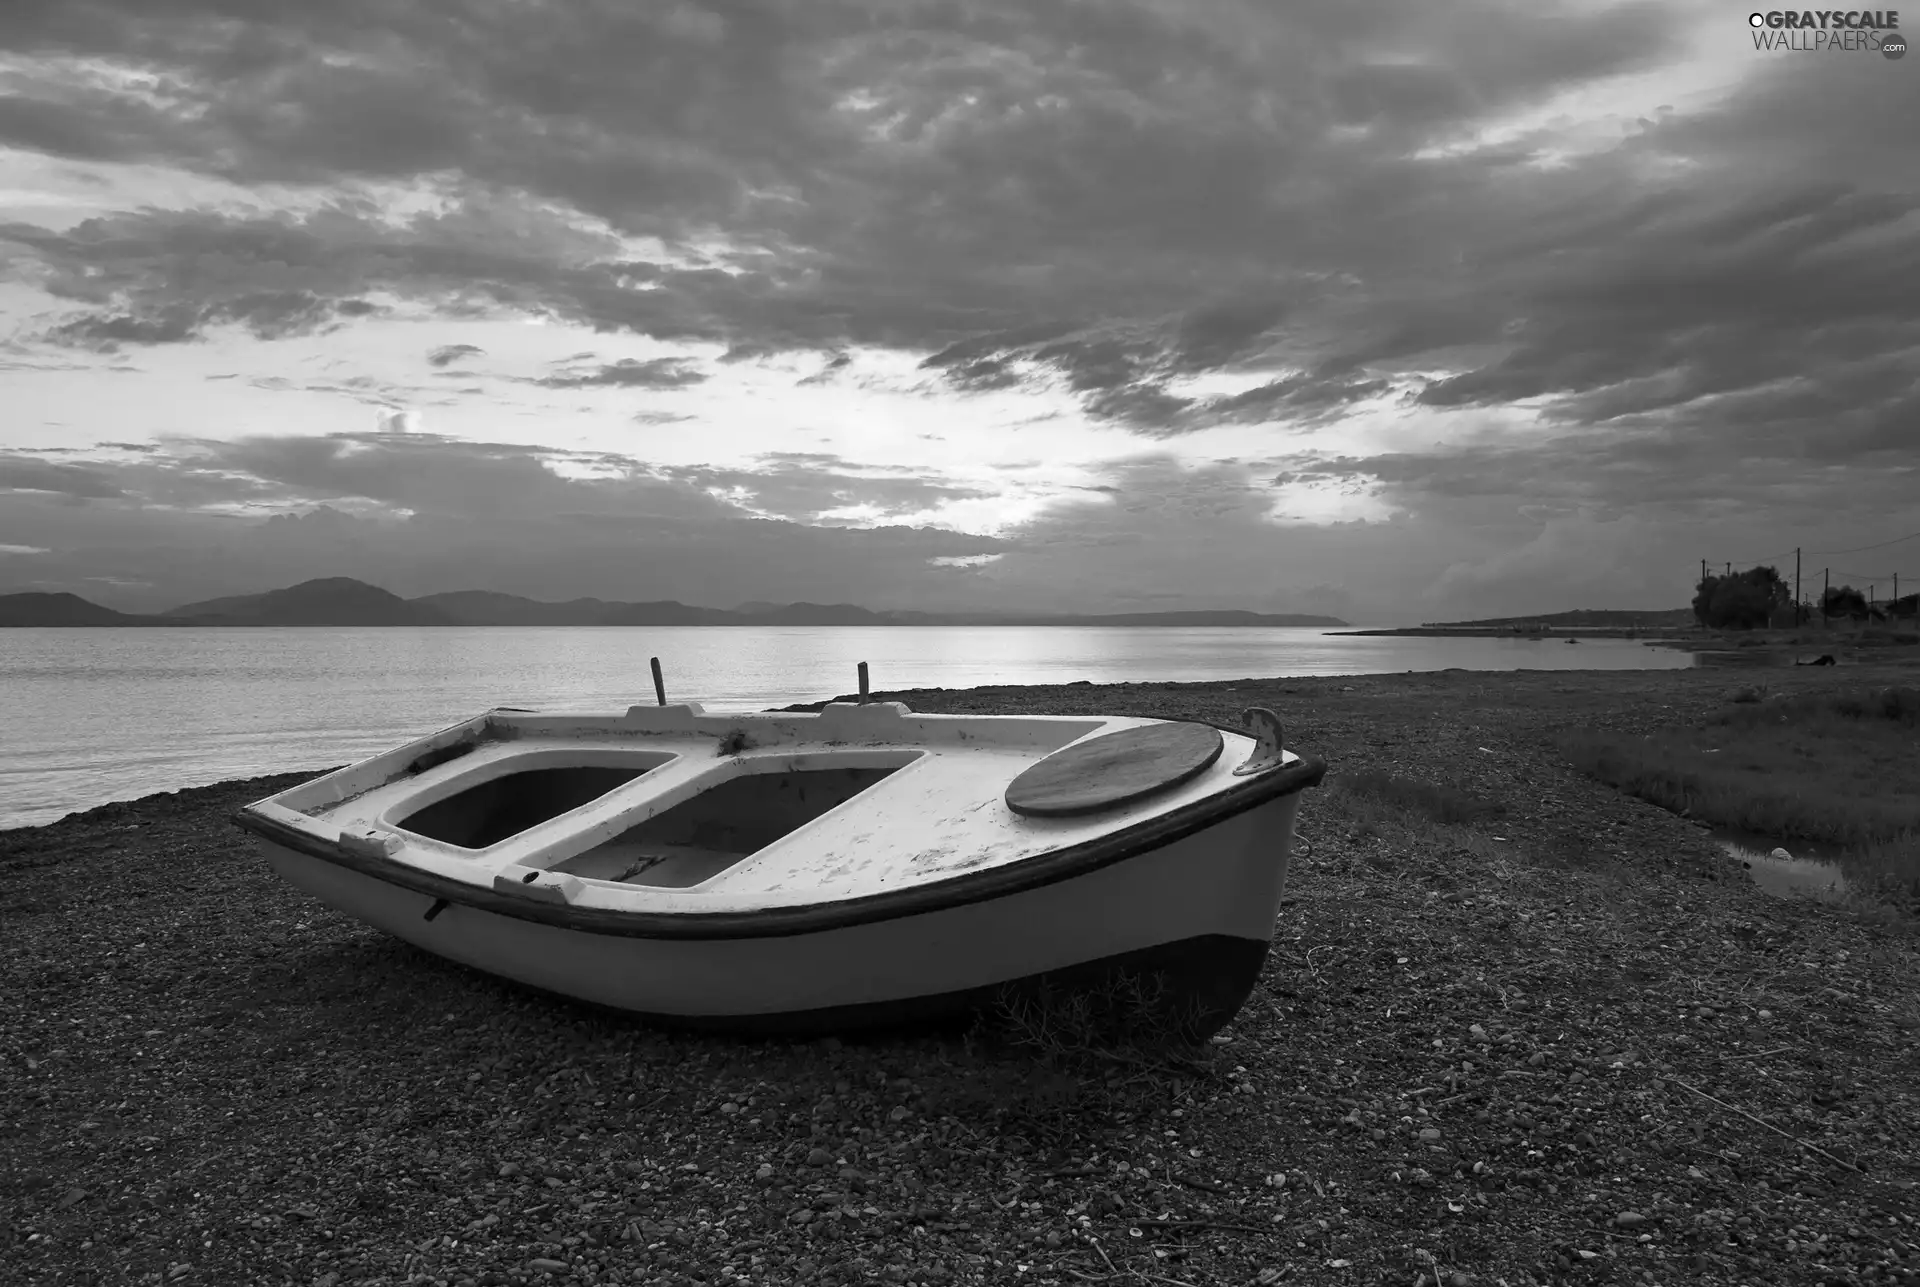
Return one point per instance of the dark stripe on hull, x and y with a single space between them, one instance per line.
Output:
1193 987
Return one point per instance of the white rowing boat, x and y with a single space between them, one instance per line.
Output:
811 872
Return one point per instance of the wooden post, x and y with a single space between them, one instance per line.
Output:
863 683
659 684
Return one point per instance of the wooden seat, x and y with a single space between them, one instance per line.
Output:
1114 769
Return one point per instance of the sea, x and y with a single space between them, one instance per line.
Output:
96 715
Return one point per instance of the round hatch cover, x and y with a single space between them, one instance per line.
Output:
1115 769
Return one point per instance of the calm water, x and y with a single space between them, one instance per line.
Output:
99 715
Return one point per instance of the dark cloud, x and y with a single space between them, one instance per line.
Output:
1300 399
29 475
415 472
448 354
631 373
419 513
838 362
1133 162
174 325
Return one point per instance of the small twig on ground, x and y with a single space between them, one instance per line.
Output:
1756 1054
1160 1066
1770 1126
1310 966
1104 1256
1195 1182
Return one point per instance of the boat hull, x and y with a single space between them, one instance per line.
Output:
1192 918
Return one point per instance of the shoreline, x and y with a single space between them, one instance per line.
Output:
1888 645
1078 693
1506 1014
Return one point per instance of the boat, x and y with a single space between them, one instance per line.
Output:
809 872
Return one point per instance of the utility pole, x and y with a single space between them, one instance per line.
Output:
1703 571
1796 587
1825 574
1729 567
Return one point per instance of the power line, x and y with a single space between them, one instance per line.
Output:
1824 554
1875 576
1816 554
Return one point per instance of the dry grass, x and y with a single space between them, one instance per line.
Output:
1835 767
1410 798
1129 1017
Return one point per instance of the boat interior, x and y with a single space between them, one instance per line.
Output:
727 817
699 838
671 798
492 810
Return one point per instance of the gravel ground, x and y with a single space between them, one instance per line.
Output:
1565 1044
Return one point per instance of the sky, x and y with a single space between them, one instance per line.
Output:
1378 308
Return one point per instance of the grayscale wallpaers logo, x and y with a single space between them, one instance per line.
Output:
1821 30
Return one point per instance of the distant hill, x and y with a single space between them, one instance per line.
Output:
343 601
329 601
488 608
821 614
1191 619
667 612
36 608
1584 618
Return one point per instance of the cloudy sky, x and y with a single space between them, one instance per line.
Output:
1387 308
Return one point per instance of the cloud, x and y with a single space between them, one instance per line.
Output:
448 354
838 362
631 373
419 512
814 487
1390 253
78 481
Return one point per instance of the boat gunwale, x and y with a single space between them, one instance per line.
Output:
1032 872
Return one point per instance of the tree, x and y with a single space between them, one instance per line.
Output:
1742 601
1844 601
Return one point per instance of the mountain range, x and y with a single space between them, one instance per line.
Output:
343 601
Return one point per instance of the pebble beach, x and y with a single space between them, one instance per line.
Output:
1567 1041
